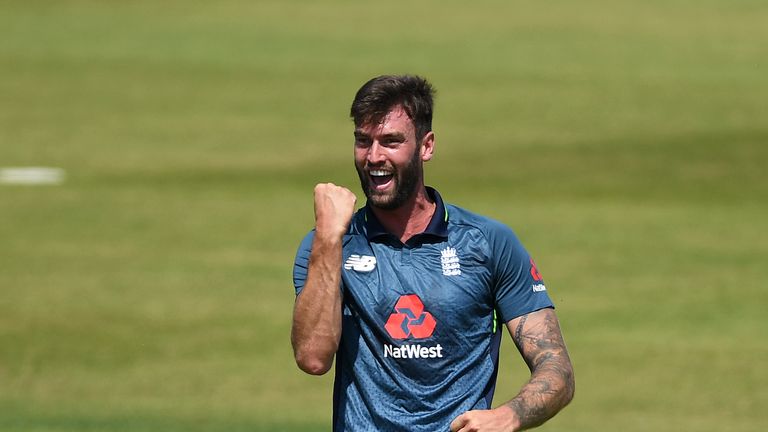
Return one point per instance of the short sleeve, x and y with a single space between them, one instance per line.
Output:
519 287
301 262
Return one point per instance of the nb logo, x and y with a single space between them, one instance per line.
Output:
358 263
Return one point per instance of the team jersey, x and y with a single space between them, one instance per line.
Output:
421 321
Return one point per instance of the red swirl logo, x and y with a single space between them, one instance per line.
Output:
410 319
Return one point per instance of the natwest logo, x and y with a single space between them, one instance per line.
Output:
413 351
410 319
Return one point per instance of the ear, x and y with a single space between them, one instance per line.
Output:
427 146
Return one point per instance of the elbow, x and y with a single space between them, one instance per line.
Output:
313 355
313 367
313 364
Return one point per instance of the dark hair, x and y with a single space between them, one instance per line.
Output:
378 96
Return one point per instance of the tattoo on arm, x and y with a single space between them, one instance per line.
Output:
538 337
518 331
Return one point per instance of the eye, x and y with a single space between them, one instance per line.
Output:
362 141
392 141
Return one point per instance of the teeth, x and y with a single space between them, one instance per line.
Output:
379 173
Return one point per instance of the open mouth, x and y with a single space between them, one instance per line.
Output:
380 179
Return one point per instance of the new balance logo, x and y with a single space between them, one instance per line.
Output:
450 262
360 263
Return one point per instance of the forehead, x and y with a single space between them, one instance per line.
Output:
396 120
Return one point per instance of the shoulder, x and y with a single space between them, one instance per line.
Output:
462 218
497 241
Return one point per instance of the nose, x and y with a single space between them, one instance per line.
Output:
375 153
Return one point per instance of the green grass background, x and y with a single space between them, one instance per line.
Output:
625 142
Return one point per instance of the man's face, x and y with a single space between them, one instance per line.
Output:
389 159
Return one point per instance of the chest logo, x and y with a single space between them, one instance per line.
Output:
360 263
410 319
450 262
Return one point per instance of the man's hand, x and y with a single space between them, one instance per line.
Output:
334 207
501 419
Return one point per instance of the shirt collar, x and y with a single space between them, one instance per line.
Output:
438 225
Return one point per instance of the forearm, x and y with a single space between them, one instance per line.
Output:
551 386
316 327
549 390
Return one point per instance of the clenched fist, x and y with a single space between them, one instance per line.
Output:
334 207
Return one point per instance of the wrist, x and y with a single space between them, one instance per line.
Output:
328 237
511 421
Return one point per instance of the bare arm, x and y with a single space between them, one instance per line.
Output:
316 329
550 388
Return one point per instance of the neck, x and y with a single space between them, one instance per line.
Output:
409 219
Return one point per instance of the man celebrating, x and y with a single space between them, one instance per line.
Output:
408 293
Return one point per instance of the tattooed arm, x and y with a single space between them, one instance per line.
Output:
538 337
550 388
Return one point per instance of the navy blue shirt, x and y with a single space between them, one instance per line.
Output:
421 323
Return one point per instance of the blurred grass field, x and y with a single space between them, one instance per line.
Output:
625 142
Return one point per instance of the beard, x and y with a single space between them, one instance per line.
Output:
406 181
